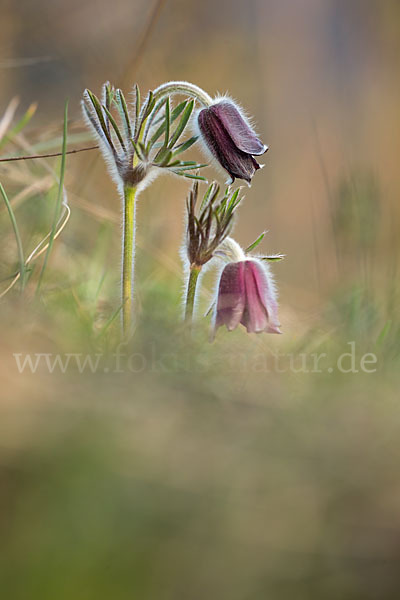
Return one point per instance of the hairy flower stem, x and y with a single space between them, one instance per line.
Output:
128 256
181 87
191 292
185 88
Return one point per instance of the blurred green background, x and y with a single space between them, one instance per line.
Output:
205 470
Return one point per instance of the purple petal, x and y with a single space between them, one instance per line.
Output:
238 163
241 133
231 296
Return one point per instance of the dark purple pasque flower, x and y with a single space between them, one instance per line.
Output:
246 295
230 139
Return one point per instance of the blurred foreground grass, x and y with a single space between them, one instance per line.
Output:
187 469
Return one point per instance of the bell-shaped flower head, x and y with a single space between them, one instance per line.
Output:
230 138
246 294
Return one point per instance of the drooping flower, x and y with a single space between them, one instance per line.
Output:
246 294
230 138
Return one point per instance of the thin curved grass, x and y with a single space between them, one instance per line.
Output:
17 237
59 199
38 250
59 223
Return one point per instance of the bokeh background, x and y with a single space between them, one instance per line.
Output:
205 470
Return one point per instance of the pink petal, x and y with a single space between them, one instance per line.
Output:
267 294
231 296
255 316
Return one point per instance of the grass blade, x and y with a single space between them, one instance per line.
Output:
59 198
17 237
20 125
110 321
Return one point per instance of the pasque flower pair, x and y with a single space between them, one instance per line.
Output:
141 142
245 291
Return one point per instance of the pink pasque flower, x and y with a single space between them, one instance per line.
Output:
246 294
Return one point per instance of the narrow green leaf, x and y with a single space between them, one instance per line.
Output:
149 106
108 95
185 145
255 243
208 222
189 167
213 190
99 111
175 113
94 122
138 149
163 157
125 112
167 121
137 108
273 257
233 203
234 200
192 167
182 124
157 135
142 148
150 102
189 176
116 128
150 120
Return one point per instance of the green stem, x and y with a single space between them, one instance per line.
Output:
191 292
128 252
